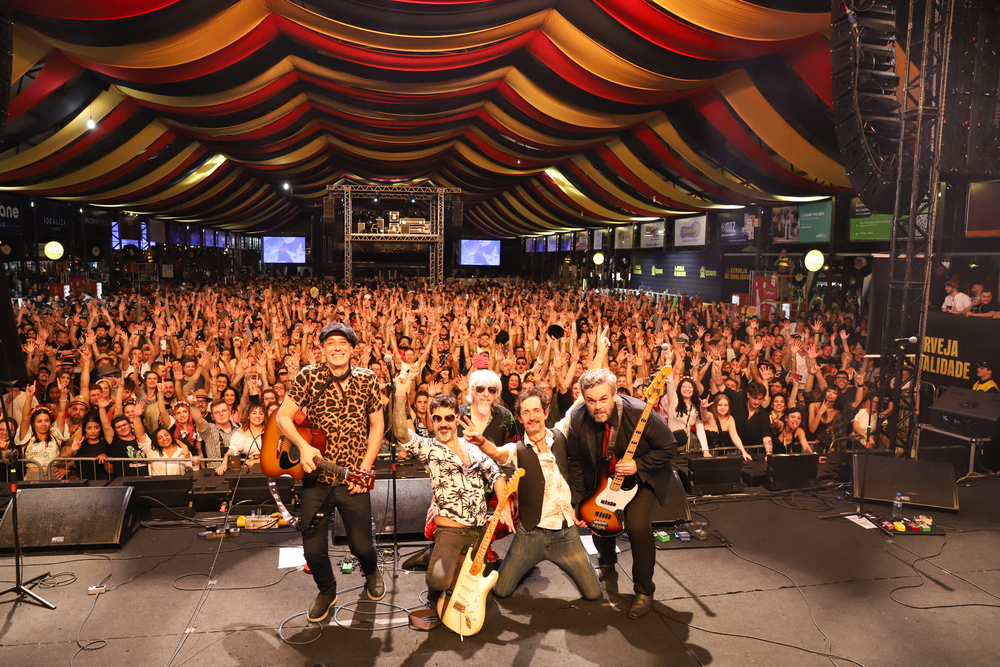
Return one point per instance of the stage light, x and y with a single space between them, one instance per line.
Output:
814 260
54 250
286 186
91 124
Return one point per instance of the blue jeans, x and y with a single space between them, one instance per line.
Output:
563 547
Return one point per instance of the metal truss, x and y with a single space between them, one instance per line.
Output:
915 220
436 197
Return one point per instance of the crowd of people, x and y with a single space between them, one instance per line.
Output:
191 373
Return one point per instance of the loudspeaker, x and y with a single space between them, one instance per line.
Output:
72 517
161 497
922 483
718 475
792 471
959 451
967 412
412 501
676 509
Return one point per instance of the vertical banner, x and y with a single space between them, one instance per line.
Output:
690 231
581 241
765 296
815 221
156 231
599 236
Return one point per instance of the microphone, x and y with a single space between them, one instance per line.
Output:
387 358
911 339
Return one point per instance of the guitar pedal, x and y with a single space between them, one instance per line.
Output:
683 536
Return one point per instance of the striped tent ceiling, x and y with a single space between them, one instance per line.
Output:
549 115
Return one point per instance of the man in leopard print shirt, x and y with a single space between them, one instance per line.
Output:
343 401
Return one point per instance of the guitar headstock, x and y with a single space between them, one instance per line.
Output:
362 478
511 486
658 385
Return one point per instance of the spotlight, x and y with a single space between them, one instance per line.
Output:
376 199
91 124
286 186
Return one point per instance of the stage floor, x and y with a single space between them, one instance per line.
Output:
790 590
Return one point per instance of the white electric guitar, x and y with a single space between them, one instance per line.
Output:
463 610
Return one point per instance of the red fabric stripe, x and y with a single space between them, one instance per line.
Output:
717 113
674 35
56 71
632 179
95 10
810 57
608 197
653 142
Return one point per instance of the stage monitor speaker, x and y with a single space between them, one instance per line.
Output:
959 451
414 497
792 471
74 517
12 365
922 483
676 509
252 491
967 412
714 476
161 496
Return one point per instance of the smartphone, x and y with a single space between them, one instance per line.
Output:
163 344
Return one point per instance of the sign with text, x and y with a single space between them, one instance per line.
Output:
689 231
553 243
580 241
952 346
807 223
651 234
11 214
765 296
868 226
691 273
623 237
51 219
737 227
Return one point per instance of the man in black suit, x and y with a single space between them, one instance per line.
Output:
547 529
589 441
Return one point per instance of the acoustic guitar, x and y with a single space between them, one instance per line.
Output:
280 456
604 509
463 609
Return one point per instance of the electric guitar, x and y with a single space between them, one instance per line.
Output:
604 509
463 609
280 456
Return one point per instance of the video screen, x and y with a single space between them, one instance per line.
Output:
284 249
480 253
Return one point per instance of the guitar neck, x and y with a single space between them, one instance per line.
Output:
634 442
484 545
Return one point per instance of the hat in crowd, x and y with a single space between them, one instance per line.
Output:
556 331
682 338
338 329
106 369
80 400
118 418
982 364
502 337
953 281
201 393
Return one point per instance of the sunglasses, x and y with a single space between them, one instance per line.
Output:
437 419
480 389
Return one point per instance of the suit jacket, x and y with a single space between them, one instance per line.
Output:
652 456
531 488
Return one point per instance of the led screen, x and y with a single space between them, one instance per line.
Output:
284 250
480 253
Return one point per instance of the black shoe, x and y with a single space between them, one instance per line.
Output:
641 604
492 566
607 571
420 561
320 609
374 586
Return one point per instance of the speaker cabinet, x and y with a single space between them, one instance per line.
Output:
717 475
412 500
922 483
676 509
967 412
959 451
72 517
792 471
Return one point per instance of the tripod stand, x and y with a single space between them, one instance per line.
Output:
21 588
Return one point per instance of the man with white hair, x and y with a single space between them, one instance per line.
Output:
602 433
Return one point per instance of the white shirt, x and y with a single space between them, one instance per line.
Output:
956 302
245 443
557 497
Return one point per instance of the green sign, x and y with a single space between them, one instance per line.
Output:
815 221
868 226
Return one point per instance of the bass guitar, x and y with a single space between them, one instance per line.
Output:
280 456
462 610
604 509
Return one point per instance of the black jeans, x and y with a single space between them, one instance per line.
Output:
356 511
639 524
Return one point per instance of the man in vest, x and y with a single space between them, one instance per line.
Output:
547 529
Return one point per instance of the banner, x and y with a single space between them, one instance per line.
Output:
737 227
553 243
808 223
11 214
952 346
765 296
566 242
691 273
690 231
599 236
156 231
129 227
52 220
868 226
581 241
623 237
651 234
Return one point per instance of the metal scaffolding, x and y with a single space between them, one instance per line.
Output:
916 214
435 238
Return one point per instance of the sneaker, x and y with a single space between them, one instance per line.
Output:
374 586
320 609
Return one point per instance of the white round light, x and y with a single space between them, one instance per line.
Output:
814 260
54 250
598 258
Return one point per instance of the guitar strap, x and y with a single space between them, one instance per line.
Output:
613 433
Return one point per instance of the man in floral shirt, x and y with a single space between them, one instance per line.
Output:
459 474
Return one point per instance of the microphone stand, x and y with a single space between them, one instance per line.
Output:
393 459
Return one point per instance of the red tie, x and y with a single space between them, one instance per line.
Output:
607 436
